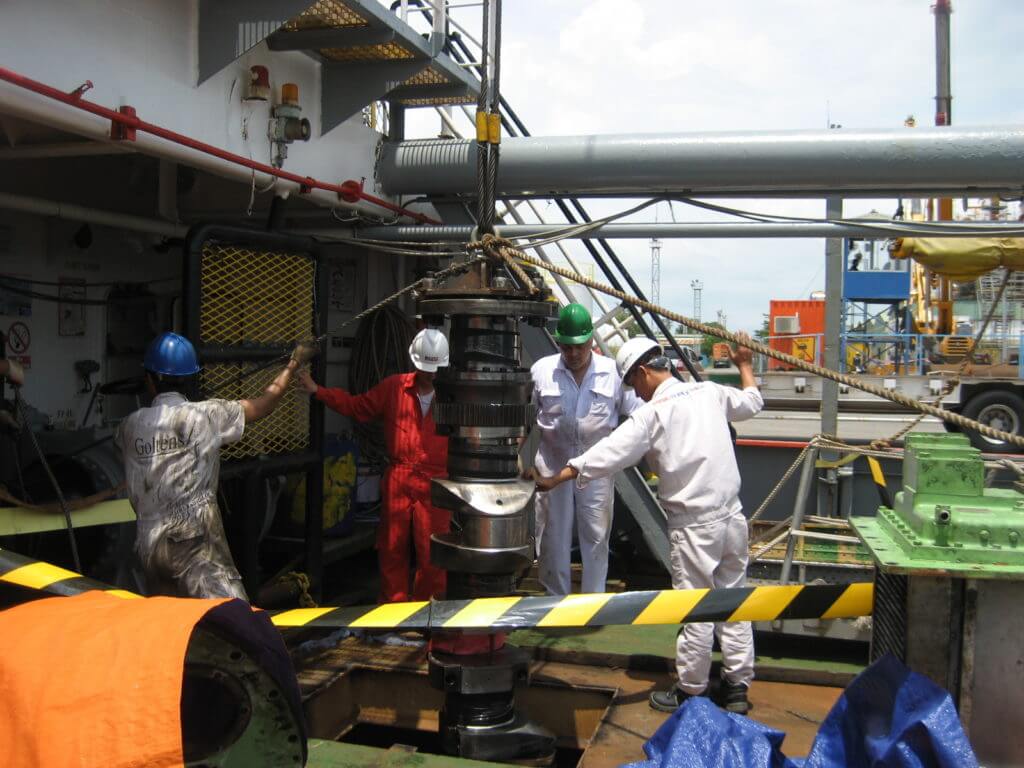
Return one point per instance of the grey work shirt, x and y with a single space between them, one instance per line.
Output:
172 461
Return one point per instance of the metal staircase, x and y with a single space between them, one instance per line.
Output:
367 53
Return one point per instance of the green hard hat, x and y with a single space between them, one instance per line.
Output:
574 325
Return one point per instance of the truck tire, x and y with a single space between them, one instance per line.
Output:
998 408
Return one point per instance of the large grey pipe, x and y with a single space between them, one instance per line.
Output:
886 163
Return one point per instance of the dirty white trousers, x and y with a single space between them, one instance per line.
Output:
591 507
709 556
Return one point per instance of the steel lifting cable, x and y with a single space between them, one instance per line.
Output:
19 407
484 213
505 250
952 383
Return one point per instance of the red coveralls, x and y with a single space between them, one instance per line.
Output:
417 454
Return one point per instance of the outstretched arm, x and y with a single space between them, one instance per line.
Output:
747 402
367 406
621 449
259 407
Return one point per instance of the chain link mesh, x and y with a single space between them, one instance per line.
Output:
326 14
256 297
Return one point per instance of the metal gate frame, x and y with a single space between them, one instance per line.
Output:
254 470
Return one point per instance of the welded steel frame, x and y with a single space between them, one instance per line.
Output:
253 470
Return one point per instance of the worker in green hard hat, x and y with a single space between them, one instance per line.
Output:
579 398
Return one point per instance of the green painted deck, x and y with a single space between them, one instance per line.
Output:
333 754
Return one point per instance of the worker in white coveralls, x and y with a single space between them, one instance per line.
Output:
171 456
579 397
683 433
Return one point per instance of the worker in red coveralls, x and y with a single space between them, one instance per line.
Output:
416 454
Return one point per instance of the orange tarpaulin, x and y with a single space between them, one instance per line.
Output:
94 680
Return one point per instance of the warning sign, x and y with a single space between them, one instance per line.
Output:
18 338
805 348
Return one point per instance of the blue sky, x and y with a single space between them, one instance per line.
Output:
635 66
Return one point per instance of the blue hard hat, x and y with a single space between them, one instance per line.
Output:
171 354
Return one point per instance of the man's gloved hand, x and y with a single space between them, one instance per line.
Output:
305 351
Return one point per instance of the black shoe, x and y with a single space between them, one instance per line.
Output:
734 697
669 701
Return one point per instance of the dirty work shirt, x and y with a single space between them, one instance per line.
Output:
684 436
172 461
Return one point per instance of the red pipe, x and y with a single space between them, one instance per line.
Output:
747 442
349 191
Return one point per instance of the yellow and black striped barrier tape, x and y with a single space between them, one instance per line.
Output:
671 606
884 497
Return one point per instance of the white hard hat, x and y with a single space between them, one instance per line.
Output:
429 350
632 351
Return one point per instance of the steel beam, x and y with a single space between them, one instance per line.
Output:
348 86
817 163
828 495
457 232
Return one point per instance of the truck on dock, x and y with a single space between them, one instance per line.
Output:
990 396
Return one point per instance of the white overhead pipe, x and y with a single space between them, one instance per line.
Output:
72 212
63 149
30 106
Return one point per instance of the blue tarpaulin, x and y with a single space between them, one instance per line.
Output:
888 717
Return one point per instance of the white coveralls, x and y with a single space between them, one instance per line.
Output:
172 461
684 435
570 419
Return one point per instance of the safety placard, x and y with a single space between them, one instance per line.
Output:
805 348
19 338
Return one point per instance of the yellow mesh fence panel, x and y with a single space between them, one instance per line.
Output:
256 297
286 430
428 76
381 52
326 14
439 101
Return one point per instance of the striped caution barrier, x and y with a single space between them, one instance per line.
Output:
879 477
673 606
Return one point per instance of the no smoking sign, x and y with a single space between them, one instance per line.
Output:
18 338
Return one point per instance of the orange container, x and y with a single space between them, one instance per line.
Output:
797 328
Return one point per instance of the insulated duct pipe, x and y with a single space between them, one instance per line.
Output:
884 163
462 233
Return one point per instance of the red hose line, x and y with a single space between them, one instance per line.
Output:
350 191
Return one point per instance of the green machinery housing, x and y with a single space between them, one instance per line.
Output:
949 587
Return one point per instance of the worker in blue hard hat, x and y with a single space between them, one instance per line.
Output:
171 456
681 431
579 398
